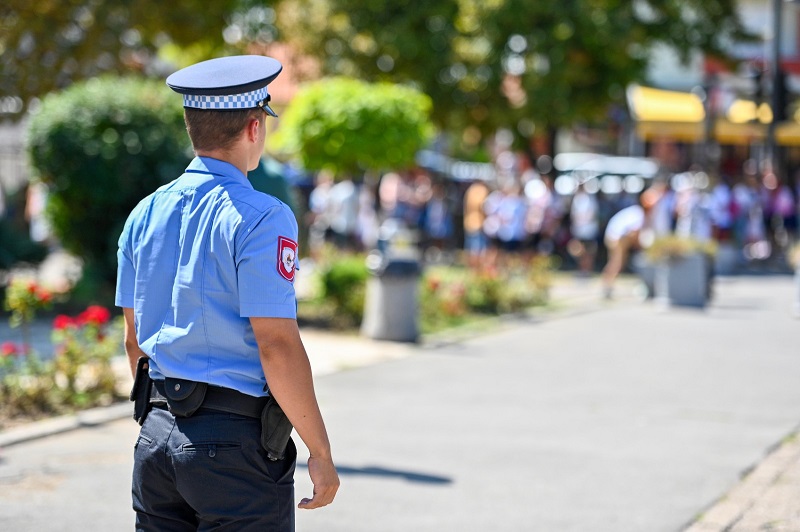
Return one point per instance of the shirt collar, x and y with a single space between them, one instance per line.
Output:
208 165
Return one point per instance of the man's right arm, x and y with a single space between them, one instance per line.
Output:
132 348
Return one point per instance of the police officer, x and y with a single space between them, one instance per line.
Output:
206 283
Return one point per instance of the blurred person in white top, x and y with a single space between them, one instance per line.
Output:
628 230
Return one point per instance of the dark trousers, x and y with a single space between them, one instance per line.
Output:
209 472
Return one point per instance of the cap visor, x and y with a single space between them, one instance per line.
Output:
267 109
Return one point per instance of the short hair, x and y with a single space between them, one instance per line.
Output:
212 129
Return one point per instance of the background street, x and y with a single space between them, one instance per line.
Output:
622 416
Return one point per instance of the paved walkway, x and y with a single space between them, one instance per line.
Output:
765 499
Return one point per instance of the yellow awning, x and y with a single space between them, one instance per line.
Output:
680 116
681 131
730 133
788 134
744 111
656 105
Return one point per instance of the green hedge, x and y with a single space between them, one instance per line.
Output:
102 146
349 126
344 285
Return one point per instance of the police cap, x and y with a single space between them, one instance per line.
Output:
227 83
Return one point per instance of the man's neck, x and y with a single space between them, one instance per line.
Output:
239 160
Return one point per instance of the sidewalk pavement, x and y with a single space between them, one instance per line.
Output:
328 352
766 498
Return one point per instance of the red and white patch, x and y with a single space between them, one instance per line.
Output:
287 257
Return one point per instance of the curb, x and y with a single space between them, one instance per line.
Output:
57 425
742 503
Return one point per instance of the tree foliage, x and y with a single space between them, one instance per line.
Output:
101 146
510 63
49 44
349 127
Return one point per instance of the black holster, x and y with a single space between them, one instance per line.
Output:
275 430
140 392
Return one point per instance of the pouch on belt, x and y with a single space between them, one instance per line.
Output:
184 397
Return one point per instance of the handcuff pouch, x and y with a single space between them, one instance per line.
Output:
184 397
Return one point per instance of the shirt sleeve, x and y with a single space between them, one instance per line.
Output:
266 263
126 273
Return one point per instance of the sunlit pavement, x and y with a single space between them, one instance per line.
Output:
617 416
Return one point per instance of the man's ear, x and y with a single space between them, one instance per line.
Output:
252 129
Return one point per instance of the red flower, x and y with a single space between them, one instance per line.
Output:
8 349
44 296
31 288
62 322
433 284
94 315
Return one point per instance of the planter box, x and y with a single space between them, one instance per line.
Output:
727 260
646 271
797 292
683 281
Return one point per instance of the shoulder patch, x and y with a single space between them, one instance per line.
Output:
287 257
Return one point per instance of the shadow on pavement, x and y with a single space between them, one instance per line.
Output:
374 471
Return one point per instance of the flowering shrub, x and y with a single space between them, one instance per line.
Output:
9 352
672 247
83 350
24 385
24 298
449 296
10 349
446 297
78 375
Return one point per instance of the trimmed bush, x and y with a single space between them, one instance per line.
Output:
101 146
349 126
344 285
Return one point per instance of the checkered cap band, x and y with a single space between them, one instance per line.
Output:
247 100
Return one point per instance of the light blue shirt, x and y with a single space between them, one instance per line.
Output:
197 259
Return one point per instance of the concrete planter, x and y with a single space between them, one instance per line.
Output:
683 281
727 259
646 271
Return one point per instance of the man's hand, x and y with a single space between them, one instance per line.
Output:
326 483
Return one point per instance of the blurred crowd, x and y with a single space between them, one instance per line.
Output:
516 215
533 213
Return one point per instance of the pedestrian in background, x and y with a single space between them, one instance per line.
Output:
475 241
436 221
206 282
624 234
584 227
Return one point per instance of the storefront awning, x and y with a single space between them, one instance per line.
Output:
689 132
680 116
788 134
661 114
656 105
731 133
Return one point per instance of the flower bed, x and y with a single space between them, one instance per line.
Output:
77 375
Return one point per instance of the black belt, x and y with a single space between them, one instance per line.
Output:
218 398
